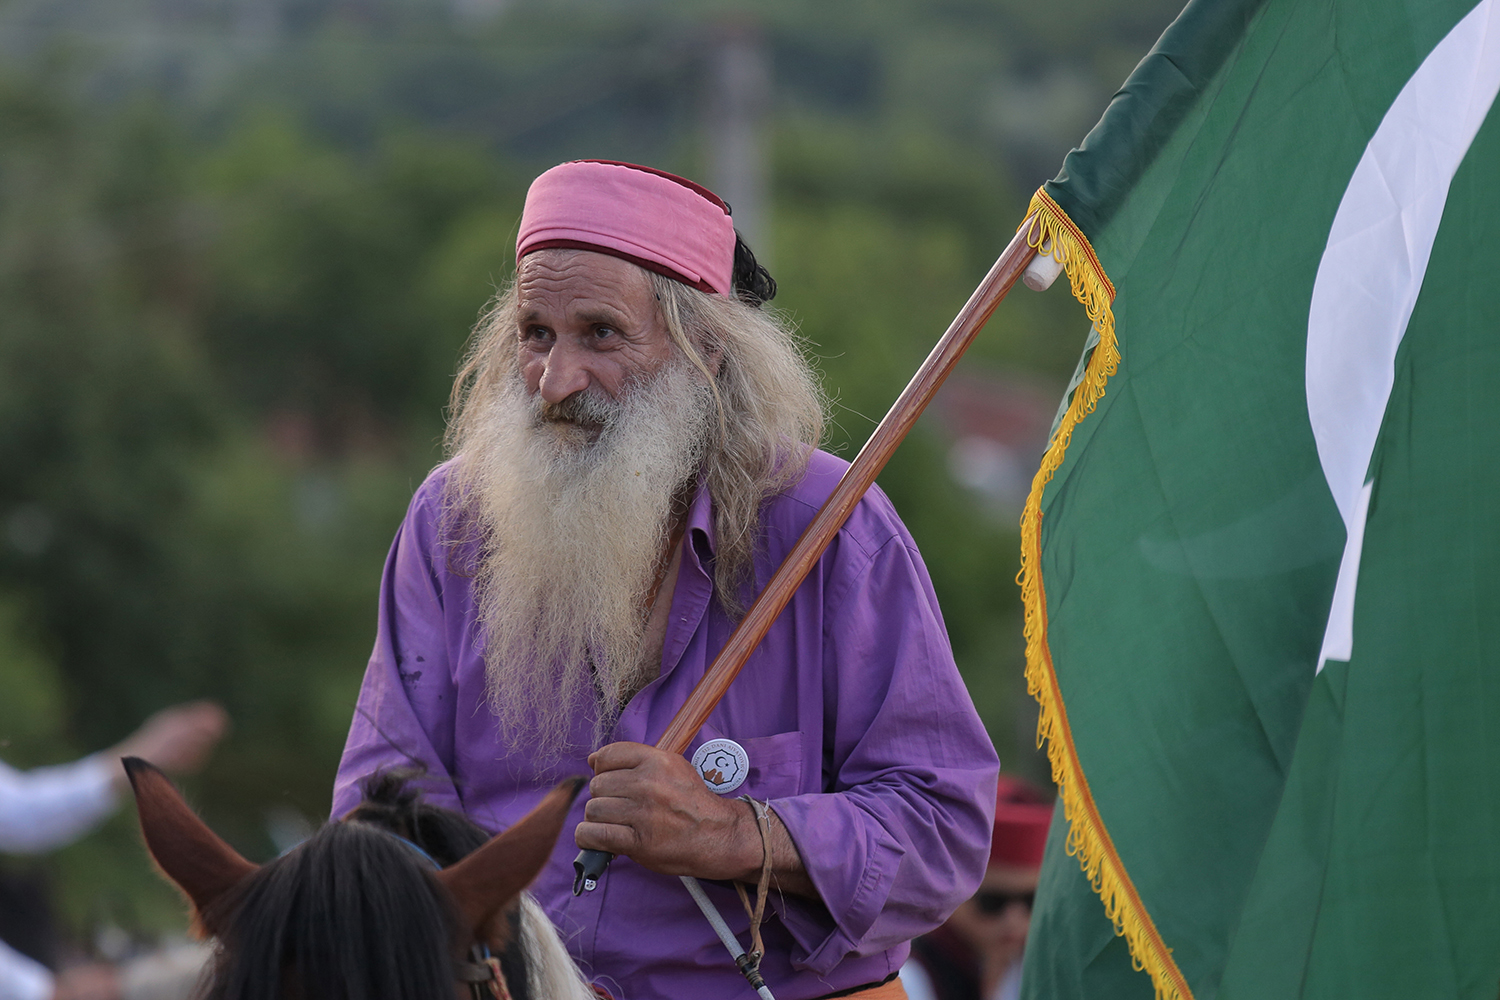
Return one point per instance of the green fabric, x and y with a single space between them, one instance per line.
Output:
1290 834
1071 946
1147 111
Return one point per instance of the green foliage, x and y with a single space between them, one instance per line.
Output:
32 713
100 408
321 301
155 545
232 306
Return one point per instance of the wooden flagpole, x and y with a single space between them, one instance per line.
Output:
858 478
850 490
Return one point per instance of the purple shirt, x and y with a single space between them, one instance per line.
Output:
858 729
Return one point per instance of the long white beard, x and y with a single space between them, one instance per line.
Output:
574 531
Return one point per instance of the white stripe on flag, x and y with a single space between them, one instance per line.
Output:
1372 271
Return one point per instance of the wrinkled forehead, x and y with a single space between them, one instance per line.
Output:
581 286
581 272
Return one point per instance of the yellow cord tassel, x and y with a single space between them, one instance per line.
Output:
1049 229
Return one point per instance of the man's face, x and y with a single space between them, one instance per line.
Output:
995 920
572 463
587 323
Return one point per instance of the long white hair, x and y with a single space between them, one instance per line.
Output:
570 539
769 416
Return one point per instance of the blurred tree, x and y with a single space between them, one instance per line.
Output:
324 312
103 406
158 539
241 247
111 610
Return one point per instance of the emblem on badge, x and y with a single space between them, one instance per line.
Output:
722 764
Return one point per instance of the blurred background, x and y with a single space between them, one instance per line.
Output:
242 243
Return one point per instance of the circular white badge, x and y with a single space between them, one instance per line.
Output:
722 764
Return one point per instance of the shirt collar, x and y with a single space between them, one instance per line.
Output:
700 521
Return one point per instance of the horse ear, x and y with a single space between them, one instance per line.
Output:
202 865
494 875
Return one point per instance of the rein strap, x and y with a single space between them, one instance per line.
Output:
484 973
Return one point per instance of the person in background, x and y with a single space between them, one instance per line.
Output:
51 807
976 954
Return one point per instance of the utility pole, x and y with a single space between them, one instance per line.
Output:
257 25
739 98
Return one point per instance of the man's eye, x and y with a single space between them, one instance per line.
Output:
603 332
536 333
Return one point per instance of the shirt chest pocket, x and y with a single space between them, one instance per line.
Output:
774 764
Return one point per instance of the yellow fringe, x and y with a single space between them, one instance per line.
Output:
1048 226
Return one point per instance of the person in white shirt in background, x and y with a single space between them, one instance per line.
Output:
51 807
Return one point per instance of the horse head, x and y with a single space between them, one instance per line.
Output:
385 904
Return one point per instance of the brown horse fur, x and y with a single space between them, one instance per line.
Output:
492 877
191 855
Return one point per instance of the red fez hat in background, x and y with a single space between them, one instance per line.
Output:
657 220
1022 815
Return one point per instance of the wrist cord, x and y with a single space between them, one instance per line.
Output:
732 943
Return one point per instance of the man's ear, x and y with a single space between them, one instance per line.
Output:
713 356
202 865
494 875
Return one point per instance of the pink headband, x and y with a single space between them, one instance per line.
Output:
660 221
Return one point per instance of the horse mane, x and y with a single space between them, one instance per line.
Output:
391 803
323 907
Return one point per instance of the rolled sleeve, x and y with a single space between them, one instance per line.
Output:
21 978
53 806
856 889
901 833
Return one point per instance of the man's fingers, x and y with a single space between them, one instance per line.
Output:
618 812
605 837
178 738
652 807
610 784
619 756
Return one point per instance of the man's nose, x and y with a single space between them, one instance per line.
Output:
564 372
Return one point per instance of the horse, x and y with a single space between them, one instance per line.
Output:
398 900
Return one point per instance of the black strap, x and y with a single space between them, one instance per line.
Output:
859 989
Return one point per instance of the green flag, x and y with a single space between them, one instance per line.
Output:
1261 560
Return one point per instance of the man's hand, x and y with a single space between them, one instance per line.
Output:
87 982
178 739
652 807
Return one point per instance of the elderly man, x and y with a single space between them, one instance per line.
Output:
634 451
